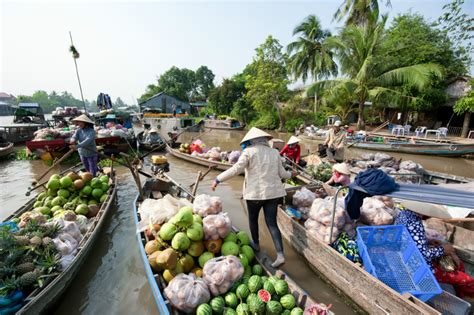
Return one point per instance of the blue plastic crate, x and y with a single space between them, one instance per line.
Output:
390 254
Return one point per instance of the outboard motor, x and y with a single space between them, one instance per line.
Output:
160 164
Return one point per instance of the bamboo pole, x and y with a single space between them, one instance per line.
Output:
78 78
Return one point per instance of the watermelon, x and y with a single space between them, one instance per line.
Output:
297 311
234 287
242 291
104 178
281 287
267 285
273 279
242 309
204 309
244 260
264 295
229 311
251 297
255 284
248 271
257 270
245 279
231 299
217 304
257 306
273 308
288 301
286 312
264 278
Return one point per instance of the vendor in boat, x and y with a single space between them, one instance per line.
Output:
262 185
84 141
335 142
340 175
152 136
292 151
438 255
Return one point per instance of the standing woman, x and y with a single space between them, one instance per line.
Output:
262 185
84 141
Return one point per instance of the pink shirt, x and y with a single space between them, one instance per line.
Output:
342 179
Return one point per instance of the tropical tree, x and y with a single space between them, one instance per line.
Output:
309 54
466 105
223 97
358 12
340 101
357 49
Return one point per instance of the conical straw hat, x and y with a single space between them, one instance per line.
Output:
255 133
342 168
293 139
83 118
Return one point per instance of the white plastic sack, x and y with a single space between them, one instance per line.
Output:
221 273
374 212
205 205
216 226
158 211
234 157
321 211
303 198
187 292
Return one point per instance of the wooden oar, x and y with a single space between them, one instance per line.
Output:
211 167
65 156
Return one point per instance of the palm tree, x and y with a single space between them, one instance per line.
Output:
358 11
357 49
309 54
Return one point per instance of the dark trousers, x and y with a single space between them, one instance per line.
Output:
270 208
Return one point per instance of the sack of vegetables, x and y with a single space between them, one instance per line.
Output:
187 292
221 273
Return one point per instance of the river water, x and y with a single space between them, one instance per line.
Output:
112 280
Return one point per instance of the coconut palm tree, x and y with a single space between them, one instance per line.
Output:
357 50
357 11
309 54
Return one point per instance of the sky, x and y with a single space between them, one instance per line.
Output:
125 45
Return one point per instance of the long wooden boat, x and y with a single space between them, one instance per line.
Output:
6 149
43 299
158 146
349 279
19 133
196 159
221 124
425 148
160 187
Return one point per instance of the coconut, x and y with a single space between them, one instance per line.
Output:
73 176
167 259
69 216
78 184
152 260
86 176
93 210
186 262
151 247
196 249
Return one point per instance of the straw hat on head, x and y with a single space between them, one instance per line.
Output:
255 133
337 123
293 140
83 118
342 168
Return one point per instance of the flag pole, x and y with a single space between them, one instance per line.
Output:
77 73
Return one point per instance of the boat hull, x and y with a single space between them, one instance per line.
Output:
6 150
197 160
45 299
450 150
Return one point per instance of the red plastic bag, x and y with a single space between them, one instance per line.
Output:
194 147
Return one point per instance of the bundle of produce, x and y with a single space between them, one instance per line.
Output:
374 212
216 226
187 292
214 154
104 133
45 134
320 218
303 198
184 148
205 205
159 211
233 157
221 273
254 294
27 257
321 172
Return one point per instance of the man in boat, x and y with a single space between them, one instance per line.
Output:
262 185
438 255
300 130
335 142
153 136
292 151
84 141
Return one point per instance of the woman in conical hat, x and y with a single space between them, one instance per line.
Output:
262 185
292 151
84 141
341 175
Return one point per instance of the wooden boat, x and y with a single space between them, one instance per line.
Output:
196 159
425 148
6 149
19 133
349 279
221 124
158 146
43 299
160 187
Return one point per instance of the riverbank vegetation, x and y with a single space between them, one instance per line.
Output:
404 64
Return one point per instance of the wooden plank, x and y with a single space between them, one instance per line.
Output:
351 280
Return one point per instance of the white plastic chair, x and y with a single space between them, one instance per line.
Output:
419 131
407 129
443 131
398 129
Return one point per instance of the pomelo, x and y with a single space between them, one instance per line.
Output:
65 182
82 209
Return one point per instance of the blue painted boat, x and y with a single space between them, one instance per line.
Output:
158 188
425 148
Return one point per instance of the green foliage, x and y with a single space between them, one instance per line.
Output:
268 87
50 101
292 124
358 12
266 121
243 111
184 84
466 104
310 54
223 97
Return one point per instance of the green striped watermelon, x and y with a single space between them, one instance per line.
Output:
204 309
217 304
288 301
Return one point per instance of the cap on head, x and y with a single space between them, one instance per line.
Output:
337 123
